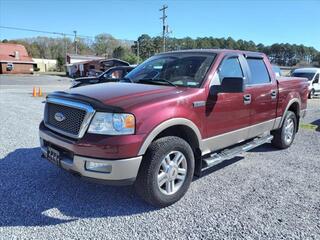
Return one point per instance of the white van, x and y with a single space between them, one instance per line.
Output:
313 78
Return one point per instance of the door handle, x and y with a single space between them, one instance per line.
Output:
273 94
247 99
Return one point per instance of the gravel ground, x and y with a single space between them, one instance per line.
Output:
268 194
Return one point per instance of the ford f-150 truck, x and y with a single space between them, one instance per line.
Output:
174 116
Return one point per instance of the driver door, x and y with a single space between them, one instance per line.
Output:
227 114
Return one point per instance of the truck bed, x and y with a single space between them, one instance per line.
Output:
290 88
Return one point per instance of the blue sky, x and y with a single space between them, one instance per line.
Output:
264 21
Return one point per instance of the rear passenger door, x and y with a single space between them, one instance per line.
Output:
263 92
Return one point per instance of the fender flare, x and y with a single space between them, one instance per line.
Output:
292 101
163 126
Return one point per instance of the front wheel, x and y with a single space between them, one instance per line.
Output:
166 171
283 137
311 94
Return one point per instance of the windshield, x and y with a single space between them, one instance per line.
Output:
308 75
176 69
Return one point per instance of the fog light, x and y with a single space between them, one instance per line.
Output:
98 167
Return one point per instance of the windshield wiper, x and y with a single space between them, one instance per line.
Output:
156 80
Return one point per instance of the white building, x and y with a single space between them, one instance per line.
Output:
45 65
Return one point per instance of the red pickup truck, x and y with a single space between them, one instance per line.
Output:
174 116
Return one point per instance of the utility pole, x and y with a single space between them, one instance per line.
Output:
164 27
75 42
138 50
66 51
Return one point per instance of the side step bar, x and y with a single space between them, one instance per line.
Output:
228 154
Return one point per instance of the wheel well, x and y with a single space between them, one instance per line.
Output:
296 109
189 136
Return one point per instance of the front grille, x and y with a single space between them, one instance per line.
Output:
74 117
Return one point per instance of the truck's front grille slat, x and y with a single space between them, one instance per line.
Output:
66 117
73 118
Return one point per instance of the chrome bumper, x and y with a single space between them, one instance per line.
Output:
117 172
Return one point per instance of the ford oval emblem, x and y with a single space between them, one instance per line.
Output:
59 117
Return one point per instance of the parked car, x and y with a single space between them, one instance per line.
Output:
182 113
113 74
312 74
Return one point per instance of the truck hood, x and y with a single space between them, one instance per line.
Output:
126 95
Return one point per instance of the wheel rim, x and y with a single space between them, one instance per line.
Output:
312 93
289 130
172 172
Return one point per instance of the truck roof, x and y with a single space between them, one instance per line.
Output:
216 51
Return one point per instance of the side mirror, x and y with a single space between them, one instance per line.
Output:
228 85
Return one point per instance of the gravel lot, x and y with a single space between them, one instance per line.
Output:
268 194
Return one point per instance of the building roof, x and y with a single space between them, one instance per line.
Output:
10 52
85 57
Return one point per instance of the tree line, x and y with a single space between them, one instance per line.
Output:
282 54
106 45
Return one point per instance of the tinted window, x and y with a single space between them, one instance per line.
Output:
259 72
316 79
308 75
230 68
116 74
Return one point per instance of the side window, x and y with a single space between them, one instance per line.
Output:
117 74
316 79
259 72
229 68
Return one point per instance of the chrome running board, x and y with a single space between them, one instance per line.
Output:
228 154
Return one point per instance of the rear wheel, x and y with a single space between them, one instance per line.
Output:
166 171
283 137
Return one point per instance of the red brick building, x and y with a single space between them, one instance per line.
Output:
14 59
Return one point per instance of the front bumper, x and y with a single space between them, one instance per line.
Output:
117 171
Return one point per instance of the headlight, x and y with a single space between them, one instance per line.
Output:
112 124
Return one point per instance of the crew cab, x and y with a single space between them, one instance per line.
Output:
180 114
312 74
113 74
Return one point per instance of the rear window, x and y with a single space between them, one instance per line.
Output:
308 75
259 72
277 71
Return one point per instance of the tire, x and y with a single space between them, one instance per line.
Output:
284 136
311 94
155 165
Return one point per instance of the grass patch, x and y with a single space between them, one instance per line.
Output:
308 126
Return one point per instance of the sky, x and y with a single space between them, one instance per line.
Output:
262 21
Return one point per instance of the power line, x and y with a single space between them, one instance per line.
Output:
46 32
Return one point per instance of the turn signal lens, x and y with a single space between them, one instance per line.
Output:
129 121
